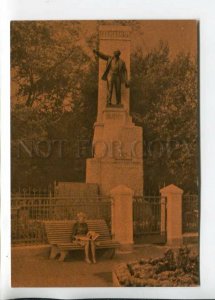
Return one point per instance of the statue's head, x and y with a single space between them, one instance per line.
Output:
117 53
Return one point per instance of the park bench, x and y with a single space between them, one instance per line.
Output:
59 235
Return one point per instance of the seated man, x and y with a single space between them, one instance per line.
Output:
81 234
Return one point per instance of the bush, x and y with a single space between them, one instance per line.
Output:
173 269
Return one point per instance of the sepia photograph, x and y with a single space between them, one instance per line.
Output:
105 153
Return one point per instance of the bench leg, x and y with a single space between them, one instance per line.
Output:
54 252
63 255
109 253
113 253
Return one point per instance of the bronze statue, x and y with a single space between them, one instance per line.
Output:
115 74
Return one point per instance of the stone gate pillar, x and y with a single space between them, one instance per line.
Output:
122 215
173 196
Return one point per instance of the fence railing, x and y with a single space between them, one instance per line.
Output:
190 213
32 192
147 215
28 214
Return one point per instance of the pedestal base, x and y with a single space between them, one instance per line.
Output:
111 173
117 151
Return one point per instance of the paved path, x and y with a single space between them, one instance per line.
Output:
39 271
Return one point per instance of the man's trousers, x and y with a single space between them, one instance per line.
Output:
114 82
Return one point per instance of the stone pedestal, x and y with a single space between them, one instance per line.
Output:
173 196
122 216
117 148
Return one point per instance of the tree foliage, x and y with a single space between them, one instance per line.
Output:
165 92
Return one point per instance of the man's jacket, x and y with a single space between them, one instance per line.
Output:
122 67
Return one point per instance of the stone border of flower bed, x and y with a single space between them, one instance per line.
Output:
115 280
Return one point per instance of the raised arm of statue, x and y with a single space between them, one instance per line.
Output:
101 55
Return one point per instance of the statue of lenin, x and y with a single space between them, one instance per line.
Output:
115 74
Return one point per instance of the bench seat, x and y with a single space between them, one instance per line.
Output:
59 237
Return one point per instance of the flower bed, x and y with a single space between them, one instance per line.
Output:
179 268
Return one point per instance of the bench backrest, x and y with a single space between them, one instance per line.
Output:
61 231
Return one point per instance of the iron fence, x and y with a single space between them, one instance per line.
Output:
29 213
30 191
190 213
147 215
29 210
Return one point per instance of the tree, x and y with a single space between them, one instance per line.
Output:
165 91
52 77
47 66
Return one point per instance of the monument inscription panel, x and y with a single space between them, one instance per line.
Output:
114 34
